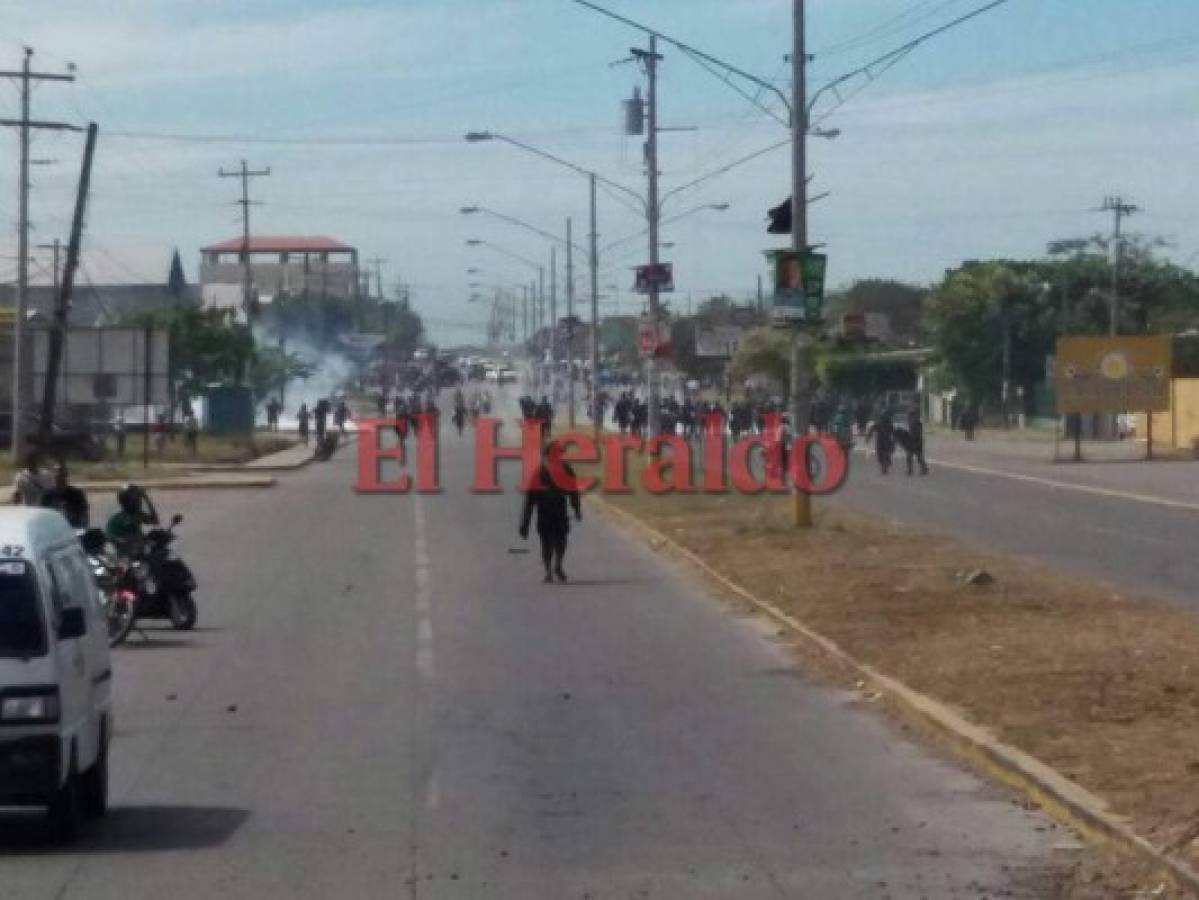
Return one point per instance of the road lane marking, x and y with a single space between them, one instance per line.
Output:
424 597
1109 493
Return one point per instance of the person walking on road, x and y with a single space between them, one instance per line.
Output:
969 420
545 415
914 449
321 414
551 490
191 432
882 429
302 418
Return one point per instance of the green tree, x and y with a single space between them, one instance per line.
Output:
900 302
977 308
207 346
763 351
273 368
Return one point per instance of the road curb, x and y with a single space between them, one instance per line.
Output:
1063 799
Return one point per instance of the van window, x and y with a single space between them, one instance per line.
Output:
22 629
69 583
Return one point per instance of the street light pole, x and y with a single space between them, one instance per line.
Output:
653 214
570 325
553 320
595 319
800 363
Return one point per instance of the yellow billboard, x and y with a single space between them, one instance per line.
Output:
1113 374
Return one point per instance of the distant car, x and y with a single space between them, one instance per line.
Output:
505 376
492 374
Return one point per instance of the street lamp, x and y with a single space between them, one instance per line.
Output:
593 178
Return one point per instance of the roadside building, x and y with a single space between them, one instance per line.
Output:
292 264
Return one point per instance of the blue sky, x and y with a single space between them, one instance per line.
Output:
990 141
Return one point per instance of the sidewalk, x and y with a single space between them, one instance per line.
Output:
1115 467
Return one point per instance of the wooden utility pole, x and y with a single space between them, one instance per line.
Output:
62 295
26 77
245 174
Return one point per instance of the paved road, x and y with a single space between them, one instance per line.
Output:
1133 543
383 702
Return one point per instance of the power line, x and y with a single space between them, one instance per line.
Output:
913 15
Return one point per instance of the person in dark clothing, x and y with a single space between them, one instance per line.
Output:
549 497
969 421
67 499
914 448
883 431
302 418
545 415
321 414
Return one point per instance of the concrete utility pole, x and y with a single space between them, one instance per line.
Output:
595 318
570 324
1119 209
26 76
650 60
801 382
553 322
245 174
62 292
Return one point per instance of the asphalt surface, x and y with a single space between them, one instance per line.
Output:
383 701
1134 543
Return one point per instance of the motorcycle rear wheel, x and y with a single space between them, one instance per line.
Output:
119 616
183 612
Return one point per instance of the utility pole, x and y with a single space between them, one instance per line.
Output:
570 324
245 174
26 76
801 382
553 322
1119 209
62 293
650 60
595 318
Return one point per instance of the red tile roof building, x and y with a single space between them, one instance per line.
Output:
295 264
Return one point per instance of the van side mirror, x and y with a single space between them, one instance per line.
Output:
72 624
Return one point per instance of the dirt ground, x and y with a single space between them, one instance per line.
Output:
1093 681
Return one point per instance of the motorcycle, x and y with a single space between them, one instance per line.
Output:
154 585
116 601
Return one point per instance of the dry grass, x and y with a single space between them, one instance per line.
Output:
176 457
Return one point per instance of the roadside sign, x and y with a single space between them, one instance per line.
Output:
653 342
660 276
1113 374
717 341
853 326
799 285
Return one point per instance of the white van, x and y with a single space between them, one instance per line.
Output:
55 674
